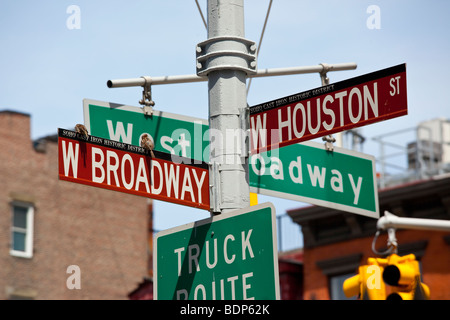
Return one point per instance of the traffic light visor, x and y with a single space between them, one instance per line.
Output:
351 286
400 274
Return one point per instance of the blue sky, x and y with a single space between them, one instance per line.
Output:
48 69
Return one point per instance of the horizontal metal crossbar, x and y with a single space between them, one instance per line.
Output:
140 82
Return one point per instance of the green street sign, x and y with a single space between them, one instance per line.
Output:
341 179
179 135
230 256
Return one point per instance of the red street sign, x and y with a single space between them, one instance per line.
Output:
123 167
351 103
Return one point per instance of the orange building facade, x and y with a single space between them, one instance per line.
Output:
337 243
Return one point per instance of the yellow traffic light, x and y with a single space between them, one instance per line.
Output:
402 274
393 278
352 286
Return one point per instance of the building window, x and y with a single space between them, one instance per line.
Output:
22 230
336 283
337 270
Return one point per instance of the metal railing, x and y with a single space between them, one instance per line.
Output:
289 234
419 157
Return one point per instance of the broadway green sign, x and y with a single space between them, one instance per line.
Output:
231 256
342 179
179 135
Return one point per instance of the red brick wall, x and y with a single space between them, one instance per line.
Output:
290 267
435 262
103 232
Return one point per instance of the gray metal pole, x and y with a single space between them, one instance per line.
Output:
225 58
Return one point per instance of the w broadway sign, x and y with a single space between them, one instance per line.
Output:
122 167
342 179
333 108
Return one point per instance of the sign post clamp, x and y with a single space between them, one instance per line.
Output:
146 100
226 52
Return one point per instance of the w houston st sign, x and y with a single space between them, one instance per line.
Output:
351 103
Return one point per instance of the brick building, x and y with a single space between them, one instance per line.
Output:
48 225
336 242
52 230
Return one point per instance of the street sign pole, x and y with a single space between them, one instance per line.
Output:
226 58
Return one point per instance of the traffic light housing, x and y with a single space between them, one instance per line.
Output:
392 278
402 274
368 282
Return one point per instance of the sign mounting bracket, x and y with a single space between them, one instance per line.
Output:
329 139
214 173
146 100
323 74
